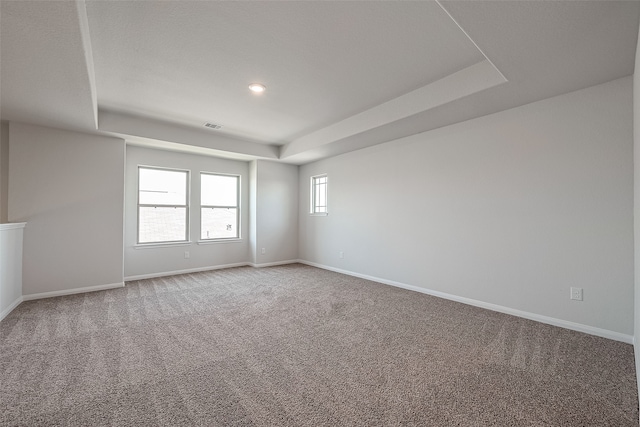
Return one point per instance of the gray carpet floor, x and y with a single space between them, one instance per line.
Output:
299 346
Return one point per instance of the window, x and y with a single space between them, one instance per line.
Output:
319 185
163 206
219 195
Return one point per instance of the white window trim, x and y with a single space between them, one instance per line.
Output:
186 240
312 195
238 208
161 245
218 241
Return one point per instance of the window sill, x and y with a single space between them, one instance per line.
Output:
319 214
160 245
213 242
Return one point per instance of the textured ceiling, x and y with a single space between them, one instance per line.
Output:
44 74
191 62
339 75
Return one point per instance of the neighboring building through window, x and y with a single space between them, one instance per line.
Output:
220 213
319 184
163 205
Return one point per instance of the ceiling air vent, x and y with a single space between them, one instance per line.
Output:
212 126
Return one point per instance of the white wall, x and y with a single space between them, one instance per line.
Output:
510 209
636 205
69 188
253 211
160 260
4 171
276 222
10 267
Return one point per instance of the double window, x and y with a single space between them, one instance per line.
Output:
163 206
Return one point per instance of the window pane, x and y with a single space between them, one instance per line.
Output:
162 187
219 190
162 224
219 223
323 195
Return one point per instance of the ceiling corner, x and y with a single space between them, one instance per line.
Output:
85 35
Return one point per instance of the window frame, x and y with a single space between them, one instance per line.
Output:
186 206
313 192
238 235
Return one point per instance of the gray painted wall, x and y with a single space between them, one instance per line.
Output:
276 212
510 209
69 189
11 236
253 211
4 172
10 267
636 205
159 260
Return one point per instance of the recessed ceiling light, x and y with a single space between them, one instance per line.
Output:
257 87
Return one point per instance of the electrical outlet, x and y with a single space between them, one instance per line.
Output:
341 254
576 294
263 251
186 254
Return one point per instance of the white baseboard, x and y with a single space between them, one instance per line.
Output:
72 291
604 333
9 309
273 264
190 270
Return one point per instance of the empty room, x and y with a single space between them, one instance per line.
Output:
319 213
